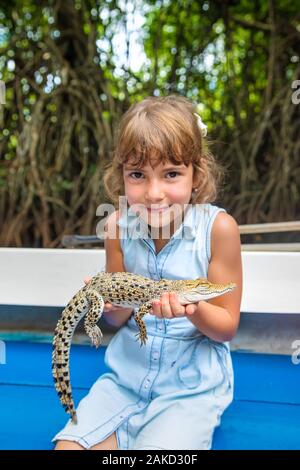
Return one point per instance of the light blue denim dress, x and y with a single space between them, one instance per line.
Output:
171 393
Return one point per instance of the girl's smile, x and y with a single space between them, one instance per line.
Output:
152 209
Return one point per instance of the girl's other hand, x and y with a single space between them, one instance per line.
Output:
169 307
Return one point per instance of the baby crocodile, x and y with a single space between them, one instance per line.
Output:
122 289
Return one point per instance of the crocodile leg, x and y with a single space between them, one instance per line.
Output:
96 307
145 308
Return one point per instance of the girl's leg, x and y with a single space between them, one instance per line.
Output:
110 443
68 445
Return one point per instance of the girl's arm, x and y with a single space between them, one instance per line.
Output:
115 316
218 318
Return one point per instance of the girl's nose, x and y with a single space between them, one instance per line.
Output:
154 193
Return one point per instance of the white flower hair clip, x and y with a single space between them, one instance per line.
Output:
201 125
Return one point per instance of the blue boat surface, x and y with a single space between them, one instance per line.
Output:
265 413
37 283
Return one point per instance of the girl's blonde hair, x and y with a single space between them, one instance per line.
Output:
161 129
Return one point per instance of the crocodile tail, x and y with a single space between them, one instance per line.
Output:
64 331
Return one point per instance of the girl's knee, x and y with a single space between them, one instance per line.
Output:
110 443
68 445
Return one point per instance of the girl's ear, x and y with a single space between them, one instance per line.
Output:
197 176
199 172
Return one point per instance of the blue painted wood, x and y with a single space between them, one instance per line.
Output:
259 377
30 363
259 426
264 415
266 377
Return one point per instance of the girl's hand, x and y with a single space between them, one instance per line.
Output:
169 307
108 307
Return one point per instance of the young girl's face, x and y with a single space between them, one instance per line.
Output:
154 190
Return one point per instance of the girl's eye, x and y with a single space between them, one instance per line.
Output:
173 174
136 175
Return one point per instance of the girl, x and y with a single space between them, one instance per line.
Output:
171 393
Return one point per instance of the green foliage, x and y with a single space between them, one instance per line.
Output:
66 90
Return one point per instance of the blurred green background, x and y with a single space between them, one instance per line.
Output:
72 67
